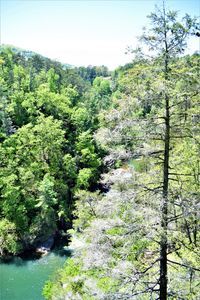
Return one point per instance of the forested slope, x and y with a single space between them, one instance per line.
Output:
113 159
140 238
116 236
47 117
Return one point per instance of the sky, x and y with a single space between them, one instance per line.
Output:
82 33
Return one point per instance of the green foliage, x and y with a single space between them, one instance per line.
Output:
48 290
71 268
139 165
47 195
115 231
89 160
84 178
107 284
138 249
8 238
70 167
116 235
46 149
56 126
102 86
52 79
89 73
85 209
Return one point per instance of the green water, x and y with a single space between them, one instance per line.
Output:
23 279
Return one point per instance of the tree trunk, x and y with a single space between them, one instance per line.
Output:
164 207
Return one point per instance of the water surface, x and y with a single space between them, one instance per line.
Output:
23 279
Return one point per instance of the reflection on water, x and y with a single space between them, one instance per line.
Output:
24 278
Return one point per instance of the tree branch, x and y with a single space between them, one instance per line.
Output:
183 265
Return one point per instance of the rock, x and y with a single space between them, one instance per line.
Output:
45 246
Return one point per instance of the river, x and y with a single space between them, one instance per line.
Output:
23 279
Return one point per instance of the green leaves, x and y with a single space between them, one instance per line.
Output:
32 156
118 234
85 176
70 166
8 238
47 195
46 143
167 33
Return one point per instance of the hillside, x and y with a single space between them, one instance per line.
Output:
47 148
109 160
116 234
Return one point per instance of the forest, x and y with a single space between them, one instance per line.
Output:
110 159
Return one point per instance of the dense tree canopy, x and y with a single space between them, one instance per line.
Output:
47 148
140 239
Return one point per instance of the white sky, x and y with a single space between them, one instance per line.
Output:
82 32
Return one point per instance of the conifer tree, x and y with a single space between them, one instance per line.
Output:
168 38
